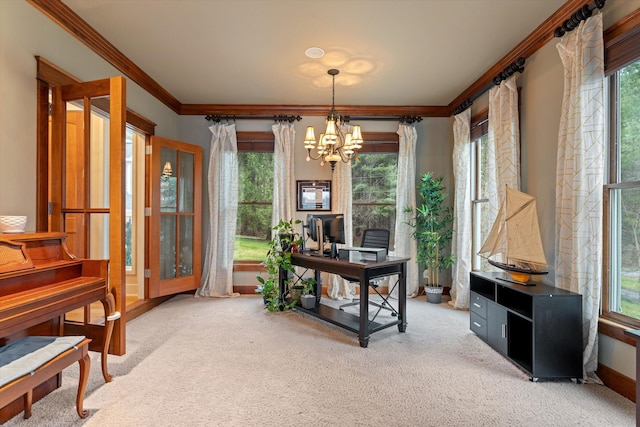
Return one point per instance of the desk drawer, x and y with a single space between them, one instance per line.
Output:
478 305
478 325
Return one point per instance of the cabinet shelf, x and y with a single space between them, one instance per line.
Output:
537 327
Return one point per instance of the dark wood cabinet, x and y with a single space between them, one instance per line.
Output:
537 327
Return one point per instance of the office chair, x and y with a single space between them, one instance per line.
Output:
374 238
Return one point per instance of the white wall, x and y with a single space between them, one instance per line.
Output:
24 33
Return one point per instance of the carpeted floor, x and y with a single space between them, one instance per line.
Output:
228 362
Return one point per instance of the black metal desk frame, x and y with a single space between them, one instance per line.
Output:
361 272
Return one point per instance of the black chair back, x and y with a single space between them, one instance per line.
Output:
376 238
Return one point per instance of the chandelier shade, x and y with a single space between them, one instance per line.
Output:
334 144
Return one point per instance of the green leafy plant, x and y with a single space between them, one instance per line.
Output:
285 241
433 227
308 283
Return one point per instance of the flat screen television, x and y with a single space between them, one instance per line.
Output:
325 229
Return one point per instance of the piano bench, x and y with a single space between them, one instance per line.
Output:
30 361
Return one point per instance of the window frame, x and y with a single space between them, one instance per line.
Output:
622 48
379 143
479 129
256 142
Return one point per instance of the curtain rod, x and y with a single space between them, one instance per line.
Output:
515 66
402 119
219 118
460 108
580 15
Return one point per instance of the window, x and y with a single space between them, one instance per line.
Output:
255 195
621 291
481 223
373 180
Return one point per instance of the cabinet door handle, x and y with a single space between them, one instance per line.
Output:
477 305
504 330
477 324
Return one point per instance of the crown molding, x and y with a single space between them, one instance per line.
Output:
75 25
66 18
311 110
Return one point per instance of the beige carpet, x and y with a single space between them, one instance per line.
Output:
229 362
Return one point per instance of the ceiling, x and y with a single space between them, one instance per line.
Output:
389 52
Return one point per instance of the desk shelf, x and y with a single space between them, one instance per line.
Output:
345 320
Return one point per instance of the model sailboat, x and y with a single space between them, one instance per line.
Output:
514 242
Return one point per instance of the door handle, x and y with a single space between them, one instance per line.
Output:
477 324
504 330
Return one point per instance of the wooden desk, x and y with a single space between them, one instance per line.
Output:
361 272
636 335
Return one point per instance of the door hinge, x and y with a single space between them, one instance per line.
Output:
147 149
147 273
147 211
49 208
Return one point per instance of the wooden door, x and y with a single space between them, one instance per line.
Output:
87 185
174 238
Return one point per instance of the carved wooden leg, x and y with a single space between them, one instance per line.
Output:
85 365
28 400
110 316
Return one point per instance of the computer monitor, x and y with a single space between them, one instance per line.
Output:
326 228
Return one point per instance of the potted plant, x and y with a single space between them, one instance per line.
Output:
432 222
308 299
285 241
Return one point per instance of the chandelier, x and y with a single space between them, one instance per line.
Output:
334 144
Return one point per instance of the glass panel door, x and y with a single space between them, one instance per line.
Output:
174 247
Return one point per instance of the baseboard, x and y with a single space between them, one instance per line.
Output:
617 382
142 306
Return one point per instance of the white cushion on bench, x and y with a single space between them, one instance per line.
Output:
27 354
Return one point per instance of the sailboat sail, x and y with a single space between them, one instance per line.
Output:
514 242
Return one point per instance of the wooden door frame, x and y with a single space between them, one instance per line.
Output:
115 89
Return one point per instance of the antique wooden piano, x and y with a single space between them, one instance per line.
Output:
40 281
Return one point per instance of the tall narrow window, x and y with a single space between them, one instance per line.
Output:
255 188
373 180
622 195
479 199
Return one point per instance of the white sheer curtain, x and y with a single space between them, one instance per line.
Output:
284 184
461 244
341 195
504 135
503 146
580 176
217 274
404 244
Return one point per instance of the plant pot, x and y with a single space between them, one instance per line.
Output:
308 301
296 293
434 294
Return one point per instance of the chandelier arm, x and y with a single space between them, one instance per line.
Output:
311 155
345 158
